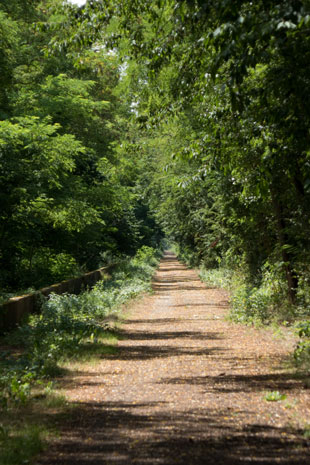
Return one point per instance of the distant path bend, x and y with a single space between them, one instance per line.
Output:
185 387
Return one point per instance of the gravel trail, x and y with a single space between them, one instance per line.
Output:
186 386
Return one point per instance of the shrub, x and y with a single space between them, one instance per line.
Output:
302 350
251 305
219 277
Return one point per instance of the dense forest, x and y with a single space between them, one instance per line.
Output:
72 180
120 120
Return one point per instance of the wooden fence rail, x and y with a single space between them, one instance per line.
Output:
15 310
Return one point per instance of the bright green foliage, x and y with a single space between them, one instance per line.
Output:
67 185
37 178
217 277
230 78
9 41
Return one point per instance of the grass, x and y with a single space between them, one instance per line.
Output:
90 352
19 445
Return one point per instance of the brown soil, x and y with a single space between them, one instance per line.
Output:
185 387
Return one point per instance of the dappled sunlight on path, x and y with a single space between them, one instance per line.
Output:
185 386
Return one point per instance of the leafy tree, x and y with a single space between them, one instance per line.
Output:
65 197
258 141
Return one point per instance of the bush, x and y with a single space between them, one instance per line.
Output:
146 255
187 255
265 302
303 291
251 305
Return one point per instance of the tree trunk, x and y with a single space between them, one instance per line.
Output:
291 278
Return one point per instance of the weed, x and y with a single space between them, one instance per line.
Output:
274 396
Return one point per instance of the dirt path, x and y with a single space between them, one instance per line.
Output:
185 387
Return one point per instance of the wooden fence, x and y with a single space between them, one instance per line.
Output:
16 309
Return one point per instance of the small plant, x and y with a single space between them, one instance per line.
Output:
274 396
4 433
306 433
302 350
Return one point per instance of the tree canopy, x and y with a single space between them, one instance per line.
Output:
235 74
120 118
69 192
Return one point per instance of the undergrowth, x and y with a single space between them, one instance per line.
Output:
69 327
267 304
302 351
218 277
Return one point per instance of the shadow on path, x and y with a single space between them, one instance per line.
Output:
239 383
148 352
149 335
116 433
